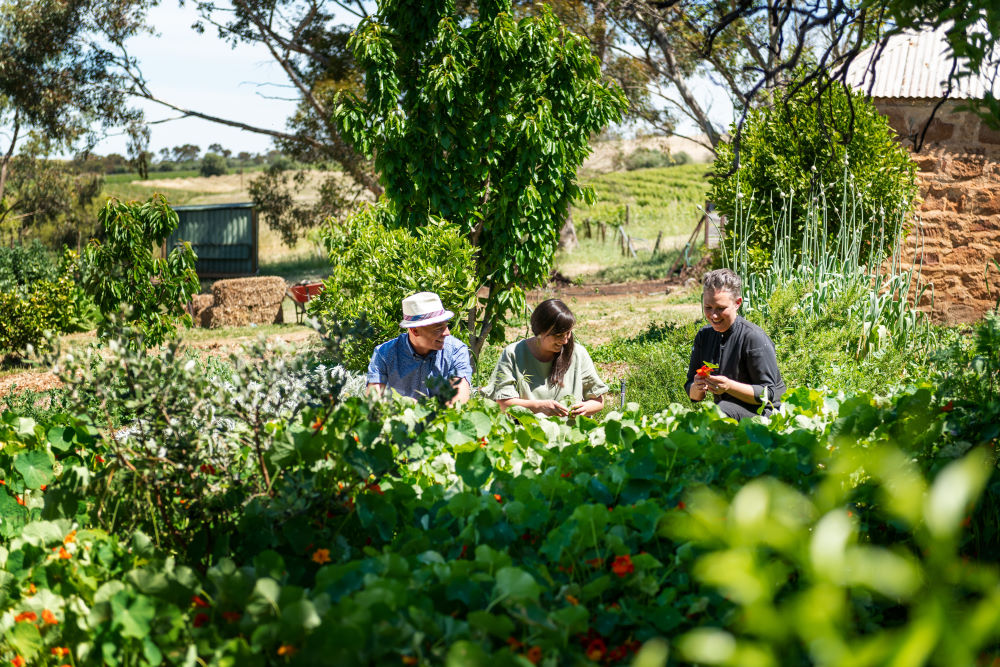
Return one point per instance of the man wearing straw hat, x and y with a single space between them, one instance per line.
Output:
732 359
426 349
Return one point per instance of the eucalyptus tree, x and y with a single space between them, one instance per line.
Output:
61 83
483 124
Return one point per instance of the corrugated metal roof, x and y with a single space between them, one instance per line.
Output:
913 65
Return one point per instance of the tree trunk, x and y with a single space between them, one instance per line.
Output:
567 235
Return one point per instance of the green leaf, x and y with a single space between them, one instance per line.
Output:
516 585
133 619
499 626
61 437
474 467
466 654
35 467
25 639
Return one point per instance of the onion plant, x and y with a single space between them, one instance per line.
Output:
833 265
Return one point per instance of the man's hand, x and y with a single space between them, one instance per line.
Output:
720 384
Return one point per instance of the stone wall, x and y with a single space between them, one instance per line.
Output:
959 179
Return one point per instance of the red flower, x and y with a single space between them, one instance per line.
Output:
207 468
26 616
513 643
704 371
534 655
59 651
376 488
948 407
622 565
596 650
43 487
681 505
19 499
18 661
618 653
497 497
232 616
100 459
596 563
565 474
49 617
200 619
199 602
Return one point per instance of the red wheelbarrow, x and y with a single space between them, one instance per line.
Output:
300 295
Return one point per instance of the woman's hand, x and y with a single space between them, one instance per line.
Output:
589 407
550 408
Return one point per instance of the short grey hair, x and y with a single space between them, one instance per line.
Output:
723 279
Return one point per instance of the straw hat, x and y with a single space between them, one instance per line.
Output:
423 308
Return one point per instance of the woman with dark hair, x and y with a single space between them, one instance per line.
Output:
540 372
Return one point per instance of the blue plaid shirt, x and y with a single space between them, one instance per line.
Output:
398 366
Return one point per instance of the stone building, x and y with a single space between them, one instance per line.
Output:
959 171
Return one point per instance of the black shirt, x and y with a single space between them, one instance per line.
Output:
744 353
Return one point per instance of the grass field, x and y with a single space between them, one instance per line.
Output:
660 201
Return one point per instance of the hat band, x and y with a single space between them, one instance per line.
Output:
425 316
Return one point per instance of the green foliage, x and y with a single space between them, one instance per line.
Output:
483 124
122 271
374 268
213 164
24 264
840 156
39 304
647 158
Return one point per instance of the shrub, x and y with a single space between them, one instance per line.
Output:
799 154
647 158
374 268
24 264
54 304
214 164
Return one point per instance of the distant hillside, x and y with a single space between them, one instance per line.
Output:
609 155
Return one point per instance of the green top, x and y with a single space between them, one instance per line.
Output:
519 374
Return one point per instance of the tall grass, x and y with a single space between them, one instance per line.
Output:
852 262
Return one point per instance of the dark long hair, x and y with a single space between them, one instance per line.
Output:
554 317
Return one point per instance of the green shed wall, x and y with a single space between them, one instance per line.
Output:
224 237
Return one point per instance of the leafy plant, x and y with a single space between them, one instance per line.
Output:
123 271
647 158
482 124
796 156
375 267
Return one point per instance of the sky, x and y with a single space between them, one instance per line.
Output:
201 72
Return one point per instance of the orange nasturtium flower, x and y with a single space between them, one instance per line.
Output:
199 602
59 651
572 600
321 556
622 565
26 616
706 369
18 661
596 649
287 649
49 617
534 655
63 554
71 537
409 659
32 589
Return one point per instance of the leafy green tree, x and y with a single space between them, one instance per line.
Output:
483 125
213 164
59 77
796 154
123 270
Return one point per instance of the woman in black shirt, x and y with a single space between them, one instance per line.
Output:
747 375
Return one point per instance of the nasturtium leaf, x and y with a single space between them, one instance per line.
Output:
375 511
269 563
474 467
24 426
497 625
480 421
300 616
517 585
61 437
574 618
264 599
35 467
457 435
25 639
467 654
134 619
43 533
152 652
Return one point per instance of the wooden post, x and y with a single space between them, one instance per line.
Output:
587 233
604 232
656 247
626 215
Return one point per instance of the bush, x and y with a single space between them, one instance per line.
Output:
25 264
45 304
647 158
374 268
214 164
797 155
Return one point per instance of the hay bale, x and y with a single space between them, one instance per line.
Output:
200 305
242 301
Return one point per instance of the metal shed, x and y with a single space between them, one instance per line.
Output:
223 236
